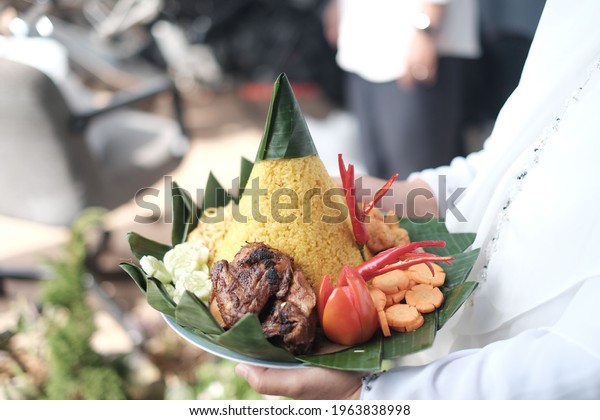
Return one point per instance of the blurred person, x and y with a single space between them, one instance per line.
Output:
507 28
529 330
404 63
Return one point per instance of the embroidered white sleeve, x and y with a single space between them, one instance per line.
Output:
562 362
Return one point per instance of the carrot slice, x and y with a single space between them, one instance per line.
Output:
424 297
379 299
421 273
403 318
392 282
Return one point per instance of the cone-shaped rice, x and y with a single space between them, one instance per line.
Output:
291 205
289 201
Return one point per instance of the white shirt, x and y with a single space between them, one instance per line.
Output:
531 329
374 35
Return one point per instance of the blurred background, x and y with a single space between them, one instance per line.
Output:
100 99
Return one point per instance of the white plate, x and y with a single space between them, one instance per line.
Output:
220 351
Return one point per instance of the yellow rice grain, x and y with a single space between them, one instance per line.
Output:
317 246
211 229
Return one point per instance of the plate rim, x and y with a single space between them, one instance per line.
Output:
223 352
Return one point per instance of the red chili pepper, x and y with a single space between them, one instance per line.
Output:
342 167
379 195
358 225
392 255
356 217
404 264
388 258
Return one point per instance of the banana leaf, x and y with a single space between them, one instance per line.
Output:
363 357
246 337
401 344
136 273
286 134
214 194
245 171
424 229
460 268
185 214
141 246
453 300
192 313
158 297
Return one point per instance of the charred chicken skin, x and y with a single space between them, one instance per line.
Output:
262 280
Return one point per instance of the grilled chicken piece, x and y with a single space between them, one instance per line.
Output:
256 275
293 318
261 280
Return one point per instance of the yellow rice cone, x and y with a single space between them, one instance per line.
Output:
297 212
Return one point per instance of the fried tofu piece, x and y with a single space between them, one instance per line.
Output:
384 232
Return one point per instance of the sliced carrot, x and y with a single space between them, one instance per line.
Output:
421 273
402 317
395 298
379 299
392 282
425 298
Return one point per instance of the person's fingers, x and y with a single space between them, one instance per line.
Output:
407 81
309 383
418 73
266 381
425 74
331 22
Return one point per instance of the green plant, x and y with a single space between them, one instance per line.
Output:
215 380
75 370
